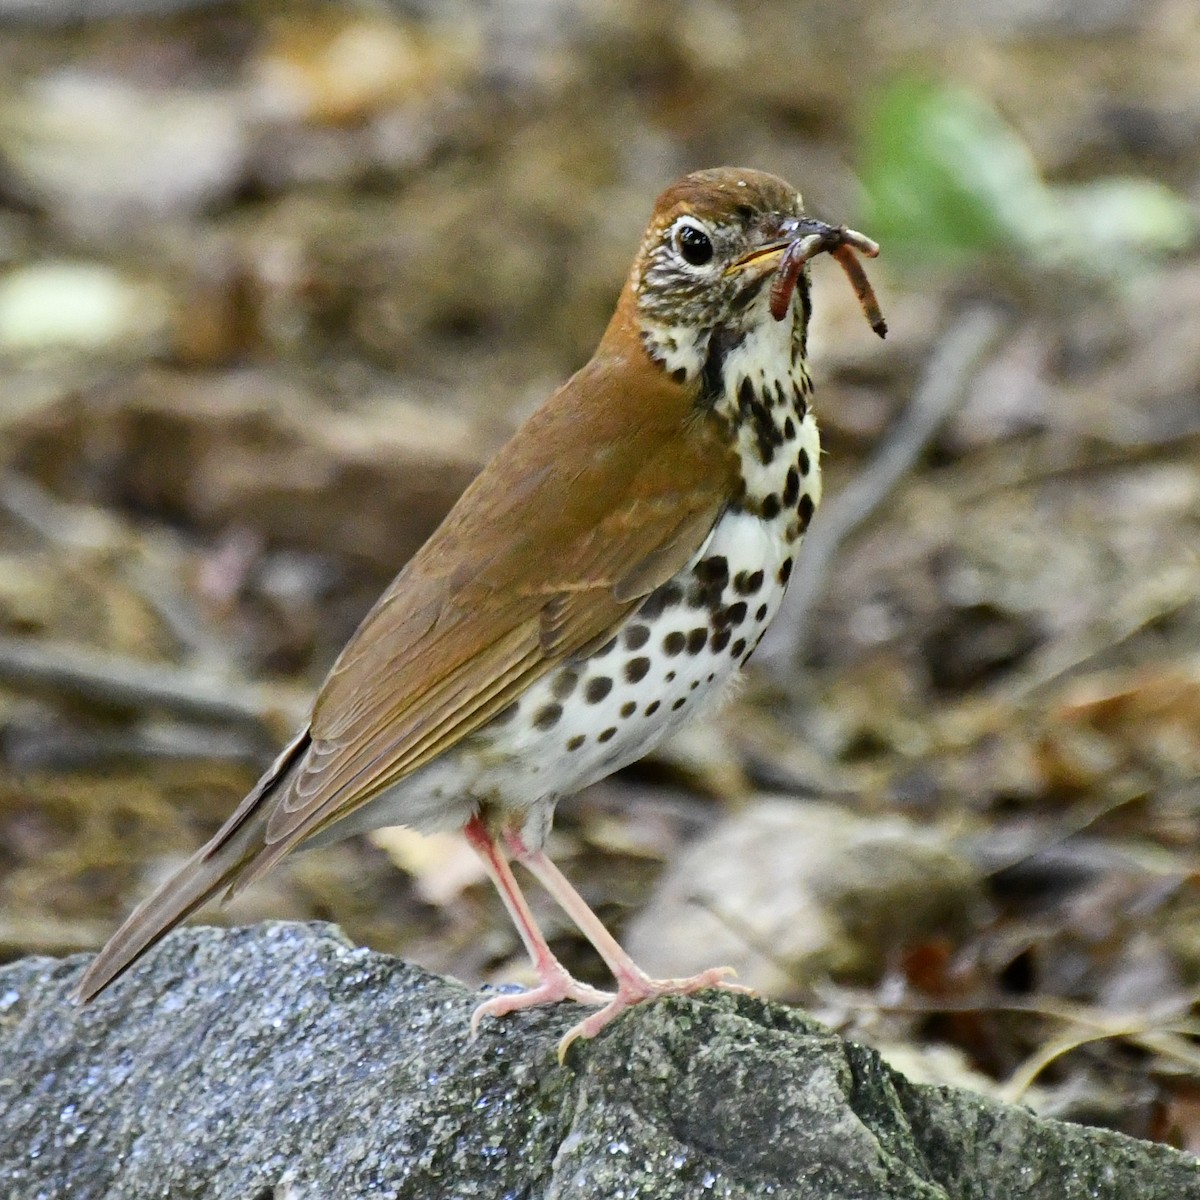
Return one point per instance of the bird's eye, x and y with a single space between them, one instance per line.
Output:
693 244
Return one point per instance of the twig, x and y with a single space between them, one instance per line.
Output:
940 392
111 679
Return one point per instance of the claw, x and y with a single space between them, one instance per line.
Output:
636 989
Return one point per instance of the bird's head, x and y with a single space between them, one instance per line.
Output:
724 259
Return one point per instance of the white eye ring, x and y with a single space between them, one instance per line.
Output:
693 242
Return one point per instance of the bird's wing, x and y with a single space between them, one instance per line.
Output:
591 505
584 512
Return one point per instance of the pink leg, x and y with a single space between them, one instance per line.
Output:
556 982
633 984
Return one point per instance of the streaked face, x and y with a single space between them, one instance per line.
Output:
707 264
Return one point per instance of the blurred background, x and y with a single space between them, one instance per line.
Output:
275 280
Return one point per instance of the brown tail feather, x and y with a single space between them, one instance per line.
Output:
213 867
195 882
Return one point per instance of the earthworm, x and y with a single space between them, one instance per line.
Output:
841 243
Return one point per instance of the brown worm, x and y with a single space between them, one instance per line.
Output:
862 287
841 243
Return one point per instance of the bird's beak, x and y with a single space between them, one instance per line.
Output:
778 234
790 243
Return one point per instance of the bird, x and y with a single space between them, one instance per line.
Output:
604 577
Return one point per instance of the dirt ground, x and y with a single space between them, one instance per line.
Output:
275 279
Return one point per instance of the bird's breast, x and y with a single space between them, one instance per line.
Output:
672 656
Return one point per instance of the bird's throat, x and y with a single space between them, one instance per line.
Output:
759 388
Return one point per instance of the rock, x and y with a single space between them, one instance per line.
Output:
278 1061
785 890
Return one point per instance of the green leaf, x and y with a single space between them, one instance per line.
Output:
947 179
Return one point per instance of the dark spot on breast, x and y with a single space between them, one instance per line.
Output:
547 718
771 507
785 571
696 639
756 412
735 614
679 374
713 570
596 689
652 606
804 463
660 600
674 643
636 669
707 595
670 676
653 707
636 636
746 584
628 708
804 510
607 735
679 703
789 429
745 398
799 401
720 640
791 491
761 615
573 743
564 684
736 649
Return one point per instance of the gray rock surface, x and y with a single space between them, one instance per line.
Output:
279 1062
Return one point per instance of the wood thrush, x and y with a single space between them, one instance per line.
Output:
604 576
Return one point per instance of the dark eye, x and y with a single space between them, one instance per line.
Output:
694 244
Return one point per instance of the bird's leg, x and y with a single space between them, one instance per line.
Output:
556 981
633 984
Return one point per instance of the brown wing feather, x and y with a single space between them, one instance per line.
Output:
597 499
477 617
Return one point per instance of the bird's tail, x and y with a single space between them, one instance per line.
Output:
200 878
215 866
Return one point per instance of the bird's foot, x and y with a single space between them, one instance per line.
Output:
636 989
554 986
